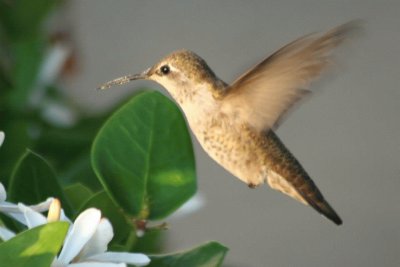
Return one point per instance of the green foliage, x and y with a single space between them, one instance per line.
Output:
34 247
138 167
12 147
22 48
109 210
208 255
34 181
23 18
144 158
77 194
28 56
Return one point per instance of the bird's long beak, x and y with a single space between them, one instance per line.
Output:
125 79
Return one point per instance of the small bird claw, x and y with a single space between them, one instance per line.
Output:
251 185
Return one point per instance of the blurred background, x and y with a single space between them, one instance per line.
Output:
347 136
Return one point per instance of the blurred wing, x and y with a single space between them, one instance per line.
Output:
266 92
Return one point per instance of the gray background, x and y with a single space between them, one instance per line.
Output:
347 137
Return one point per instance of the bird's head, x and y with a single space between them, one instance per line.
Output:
181 73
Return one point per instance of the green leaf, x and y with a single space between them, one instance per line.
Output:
208 255
77 194
23 18
80 170
14 145
143 156
34 247
52 143
28 57
33 181
152 242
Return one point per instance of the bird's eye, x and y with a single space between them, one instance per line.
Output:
165 69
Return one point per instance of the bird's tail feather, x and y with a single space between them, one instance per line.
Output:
315 199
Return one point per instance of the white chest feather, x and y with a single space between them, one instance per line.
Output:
199 106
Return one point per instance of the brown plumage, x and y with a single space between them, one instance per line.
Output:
283 163
234 123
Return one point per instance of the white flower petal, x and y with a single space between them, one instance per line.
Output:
7 207
11 207
53 63
82 230
2 135
97 264
6 234
33 218
13 211
42 206
3 194
20 217
137 259
64 218
59 114
99 241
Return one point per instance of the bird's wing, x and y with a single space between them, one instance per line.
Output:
267 91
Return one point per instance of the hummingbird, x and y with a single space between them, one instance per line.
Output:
235 123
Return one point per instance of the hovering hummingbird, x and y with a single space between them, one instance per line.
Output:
235 123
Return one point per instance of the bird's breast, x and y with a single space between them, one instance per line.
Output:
229 144
224 137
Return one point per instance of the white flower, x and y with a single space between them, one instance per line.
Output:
86 244
31 217
28 215
2 135
6 234
16 211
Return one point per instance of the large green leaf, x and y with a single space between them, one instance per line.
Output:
143 156
33 181
34 247
208 255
